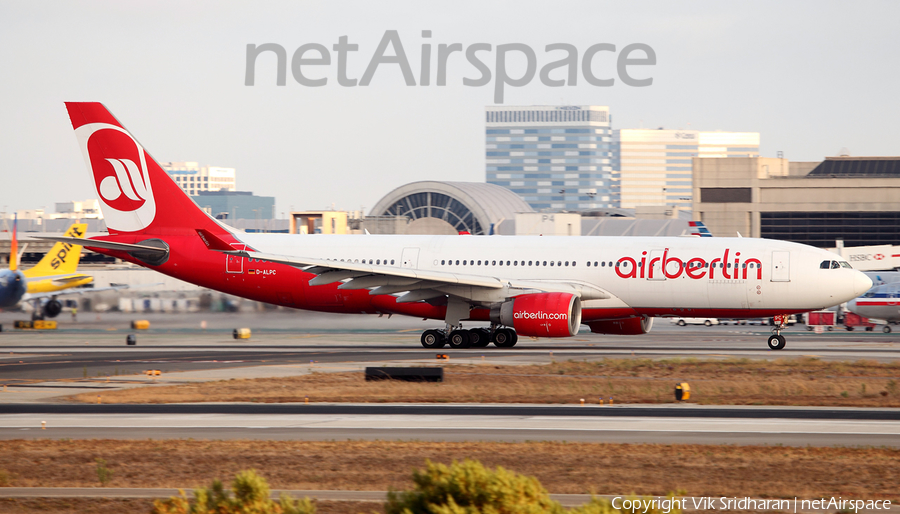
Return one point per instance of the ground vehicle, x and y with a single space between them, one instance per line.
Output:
824 319
695 321
853 320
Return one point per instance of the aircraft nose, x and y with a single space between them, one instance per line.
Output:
851 305
861 283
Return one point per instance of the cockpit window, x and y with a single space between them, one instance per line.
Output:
845 264
825 265
835 265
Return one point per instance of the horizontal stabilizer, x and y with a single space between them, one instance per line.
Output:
71 278
107 245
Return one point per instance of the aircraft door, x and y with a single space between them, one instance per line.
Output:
781 266
235 263
410 258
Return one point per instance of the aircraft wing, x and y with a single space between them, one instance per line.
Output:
390 280
73 291
60 280
353 270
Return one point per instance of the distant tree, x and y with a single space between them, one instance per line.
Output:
251 496
468 487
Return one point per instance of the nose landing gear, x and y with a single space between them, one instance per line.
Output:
776 340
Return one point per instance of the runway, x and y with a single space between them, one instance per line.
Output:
664 424
318 427
176 343
37 367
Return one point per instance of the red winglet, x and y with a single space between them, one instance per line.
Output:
214 242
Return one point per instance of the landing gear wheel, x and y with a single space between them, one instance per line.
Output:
886 329
776 342
479 337
433 339
505 338
459 339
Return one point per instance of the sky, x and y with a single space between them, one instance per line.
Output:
814 78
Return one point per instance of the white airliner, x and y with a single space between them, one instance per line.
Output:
509 285
882 302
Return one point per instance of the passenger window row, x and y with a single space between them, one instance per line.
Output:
369 261
472 262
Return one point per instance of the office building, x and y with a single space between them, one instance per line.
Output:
236 205
728 144
193 178
852 199
554 157
654 167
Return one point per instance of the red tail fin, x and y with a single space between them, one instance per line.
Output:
136 194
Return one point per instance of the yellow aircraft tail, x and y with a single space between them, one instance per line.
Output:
14 246
62 258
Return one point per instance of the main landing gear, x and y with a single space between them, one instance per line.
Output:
474 338
776 340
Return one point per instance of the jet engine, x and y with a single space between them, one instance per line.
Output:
52 308
540 314
635 325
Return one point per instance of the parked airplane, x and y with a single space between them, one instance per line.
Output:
41 284
533 286
881 302
698 228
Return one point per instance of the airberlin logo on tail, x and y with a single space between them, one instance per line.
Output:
130 183
661 265
119 166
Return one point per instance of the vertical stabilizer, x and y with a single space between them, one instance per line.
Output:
62 258
136 195
14 246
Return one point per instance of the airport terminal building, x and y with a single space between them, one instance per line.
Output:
433 207
852 199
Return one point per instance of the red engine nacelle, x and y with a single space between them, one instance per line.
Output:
541 314
635 325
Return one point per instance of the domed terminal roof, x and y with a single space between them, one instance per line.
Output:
465 206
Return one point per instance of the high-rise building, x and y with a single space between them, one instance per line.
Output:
728 144
654 167
554 157
193 178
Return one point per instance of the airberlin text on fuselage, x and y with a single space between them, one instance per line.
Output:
540 315
695 267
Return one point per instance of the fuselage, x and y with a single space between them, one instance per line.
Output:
882 302
12 287
648 276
